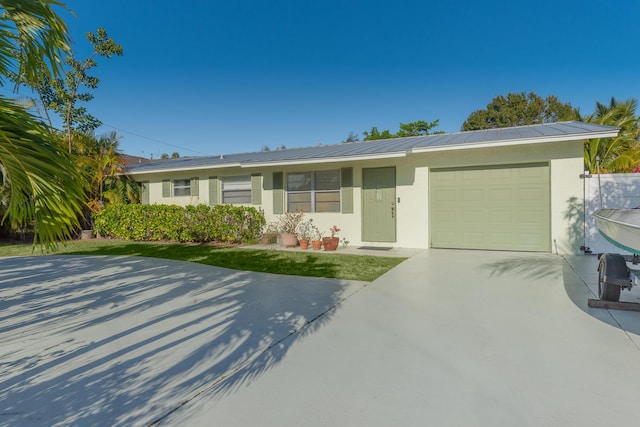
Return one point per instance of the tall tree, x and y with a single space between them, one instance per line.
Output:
41 181
374 134
62 95
416 128
107 178
619 154
519 109
352 137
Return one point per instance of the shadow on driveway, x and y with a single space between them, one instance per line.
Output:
124 340
538 266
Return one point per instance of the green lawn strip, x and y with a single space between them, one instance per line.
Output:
303 263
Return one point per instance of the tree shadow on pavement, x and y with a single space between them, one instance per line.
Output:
124 341
534 266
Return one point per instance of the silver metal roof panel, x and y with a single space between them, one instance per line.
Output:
389 147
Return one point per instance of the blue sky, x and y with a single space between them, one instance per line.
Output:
211 77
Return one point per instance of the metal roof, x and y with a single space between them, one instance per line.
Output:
386 148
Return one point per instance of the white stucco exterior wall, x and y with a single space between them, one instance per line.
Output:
412 189
567 205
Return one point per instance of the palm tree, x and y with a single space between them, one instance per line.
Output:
42 182
619 154
108 182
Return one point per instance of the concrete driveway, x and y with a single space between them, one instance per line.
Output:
448 338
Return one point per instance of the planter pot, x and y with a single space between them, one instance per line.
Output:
330 243
316 244
288 240
304 244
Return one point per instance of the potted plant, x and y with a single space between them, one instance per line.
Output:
287 224
304 231
331 243
316 238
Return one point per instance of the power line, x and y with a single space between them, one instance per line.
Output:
128 132
154 140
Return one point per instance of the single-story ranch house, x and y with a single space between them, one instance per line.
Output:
515 188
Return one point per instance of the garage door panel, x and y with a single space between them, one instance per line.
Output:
502 207
443 196
500 217
472 195
534 173
473 237
499 195
500 174
530 194
532 239
468 216
501 238
471 175
531 216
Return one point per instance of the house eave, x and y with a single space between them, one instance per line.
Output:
518 141
324 160
193 168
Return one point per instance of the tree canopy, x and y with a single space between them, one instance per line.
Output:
519 109
416 128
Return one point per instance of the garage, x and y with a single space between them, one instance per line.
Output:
501 207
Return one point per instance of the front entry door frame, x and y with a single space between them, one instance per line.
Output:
379 204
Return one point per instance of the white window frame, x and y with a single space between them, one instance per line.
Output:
237 183
178 185
313 191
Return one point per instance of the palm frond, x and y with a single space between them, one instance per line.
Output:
33 39
44 186
619 154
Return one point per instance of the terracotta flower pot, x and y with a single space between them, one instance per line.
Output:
316 244
304 244
330 243
288 240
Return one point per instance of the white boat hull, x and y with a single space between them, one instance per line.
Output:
620 227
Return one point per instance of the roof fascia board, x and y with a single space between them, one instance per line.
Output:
193 168
325 160
511 142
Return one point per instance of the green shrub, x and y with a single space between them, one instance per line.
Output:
201 223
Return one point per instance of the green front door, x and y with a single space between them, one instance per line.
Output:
379 205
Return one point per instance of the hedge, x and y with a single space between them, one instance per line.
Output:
201 223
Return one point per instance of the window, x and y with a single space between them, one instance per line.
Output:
181 187
236 189
314 191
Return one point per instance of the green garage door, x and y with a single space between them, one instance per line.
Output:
494 207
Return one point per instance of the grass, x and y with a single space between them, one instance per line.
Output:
298 263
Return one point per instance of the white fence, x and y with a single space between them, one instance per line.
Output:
618 191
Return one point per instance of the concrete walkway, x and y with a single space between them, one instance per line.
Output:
448 338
